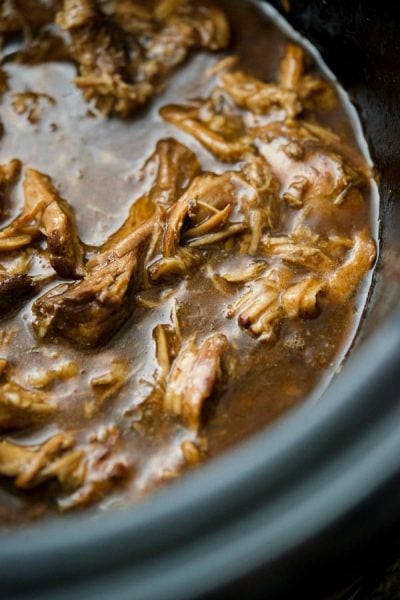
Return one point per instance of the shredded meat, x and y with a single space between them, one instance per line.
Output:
20 407
56 221
273 297
293 93
215 208
40 379
32 465
103 467
175 166
320 168
305 248
14 289
344 281
192 378
207 204
84 473
244 274
107 385
251 93
220 128
45 212
276 295
167 347
203 122
89 311
259 226
124 56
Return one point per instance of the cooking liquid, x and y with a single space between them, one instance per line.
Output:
96 162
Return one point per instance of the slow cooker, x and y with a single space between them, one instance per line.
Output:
311 495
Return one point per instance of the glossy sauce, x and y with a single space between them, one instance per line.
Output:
96 162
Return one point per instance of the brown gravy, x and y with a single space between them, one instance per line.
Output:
95 161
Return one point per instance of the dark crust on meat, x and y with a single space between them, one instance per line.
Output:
14 289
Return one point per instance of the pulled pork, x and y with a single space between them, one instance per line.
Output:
214 124
281 294
293 93
273 297
84 473
14 289
90 311
190 379
215 208
124 53
46 213
20 407
273 234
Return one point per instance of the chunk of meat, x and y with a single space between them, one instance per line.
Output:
315 174
263 205
84 473
276 296
172 166
175 166
90 311
344 281
20 407
192 378
259 97
207 204
185 26
56 221
98 47
14 289
9 173
216 207
107 385
312 91
124 53
294 91
45 212
228 143
30 466
300 300
104 467
305 248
